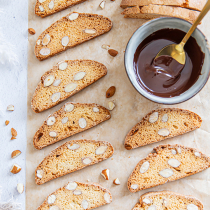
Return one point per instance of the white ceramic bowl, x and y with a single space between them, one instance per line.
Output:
154 25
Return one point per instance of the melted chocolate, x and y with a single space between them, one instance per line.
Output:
165 77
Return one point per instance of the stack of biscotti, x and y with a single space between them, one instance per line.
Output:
149 9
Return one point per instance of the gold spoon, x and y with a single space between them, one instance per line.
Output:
176 51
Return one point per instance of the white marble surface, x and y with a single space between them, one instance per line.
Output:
13 83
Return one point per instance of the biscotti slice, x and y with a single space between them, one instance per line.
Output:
154 11
77 196
45 8
190 4
165 164
72 156
64 80
162 124
71 119
164 200
70 31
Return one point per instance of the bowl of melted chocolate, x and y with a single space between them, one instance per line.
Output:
163 79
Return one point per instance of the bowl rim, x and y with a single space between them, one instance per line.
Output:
156 100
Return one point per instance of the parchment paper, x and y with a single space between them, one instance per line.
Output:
130 108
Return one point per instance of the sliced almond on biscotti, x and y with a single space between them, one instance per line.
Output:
75 31
91 196
162 170
190 4
162 124
73 76
80 118
163 200
154 11
71 156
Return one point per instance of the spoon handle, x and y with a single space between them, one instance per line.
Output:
195 24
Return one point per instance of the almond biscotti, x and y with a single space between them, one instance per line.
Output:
71 119
167 163
190 4
70 31
77 196
162 124
64 80
164 200
155 11
45 8
72 156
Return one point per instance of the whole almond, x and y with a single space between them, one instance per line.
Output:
7 122
112 52
110 92
31 31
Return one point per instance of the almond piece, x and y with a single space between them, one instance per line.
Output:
73 16
147 201
90 31
153 117
46 39
110 92
112 52
164 132
57 83
153 207
73 147
82 123
51 199
51 5
77 192
107 198
86 160
165 118
102 5
134 186
69 107
53 134
95 109
173 151
39 173
116 181
101 150
71 186
65 41
15 169
31 31
166 173
65 120
44 51
85 204
197 154
12 138
41 8
55 97
7 122
20 188
111 106
62 65
144 168
70 87
79 76
105 46
13 132
15 154
54 208
105 174
10 108
51 120
174 163
192 207
49 80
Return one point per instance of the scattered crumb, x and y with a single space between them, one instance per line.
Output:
7 122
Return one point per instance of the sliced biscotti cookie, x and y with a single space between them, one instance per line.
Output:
154 11
167 200
162 124
45 8
71 119
165 164
72 156
64 80
190 4
77 196
70 31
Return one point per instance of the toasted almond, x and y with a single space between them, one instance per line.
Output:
90 31
86 160
73 16
110 92
15 154
112 52
46 39
49 80
73 147
55 97
51 120
44 51
77 192
57 82
20 188
65 41
82 123
53 134
15 169
166 173
7 122
70 87
111 106
105 174
51 199
69 107
153 117
51 5
85 204
31 31
71 186
13 132
62 65
116 181
102 5
107 198
101 150
79 76
105 46
10 108
144 168
164 132
39 173
95 109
